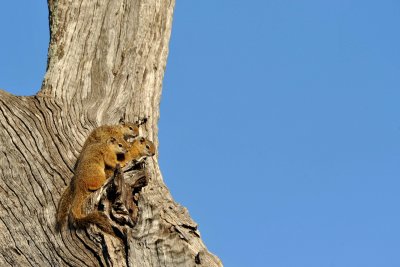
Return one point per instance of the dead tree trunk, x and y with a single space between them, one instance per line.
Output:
106 61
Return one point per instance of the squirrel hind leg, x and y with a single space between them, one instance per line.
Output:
97 218
63 208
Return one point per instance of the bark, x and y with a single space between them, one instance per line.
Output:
106 61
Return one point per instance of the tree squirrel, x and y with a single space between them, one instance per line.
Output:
94 167
89 176
139 149
125 130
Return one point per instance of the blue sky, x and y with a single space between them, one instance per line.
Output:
280 124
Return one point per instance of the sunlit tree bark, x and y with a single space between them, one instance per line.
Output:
106 61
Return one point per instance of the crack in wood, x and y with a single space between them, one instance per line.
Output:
100 66
118 199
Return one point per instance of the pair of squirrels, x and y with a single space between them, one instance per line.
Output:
106 146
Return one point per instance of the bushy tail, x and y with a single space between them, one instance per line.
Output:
63 208
83 221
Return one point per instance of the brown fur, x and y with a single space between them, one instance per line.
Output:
63 207
89 176
141 147
125 131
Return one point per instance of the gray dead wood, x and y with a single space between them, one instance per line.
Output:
106 61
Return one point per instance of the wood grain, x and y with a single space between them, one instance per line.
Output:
106 61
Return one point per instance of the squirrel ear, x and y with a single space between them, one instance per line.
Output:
122 121
141 121
142 140
112 140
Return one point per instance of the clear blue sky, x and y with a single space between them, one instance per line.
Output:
280 124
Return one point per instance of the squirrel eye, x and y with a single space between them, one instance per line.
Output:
147 146
120 145
130 128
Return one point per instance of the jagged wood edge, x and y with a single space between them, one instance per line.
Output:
54 127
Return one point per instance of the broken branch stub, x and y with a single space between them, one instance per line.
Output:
119 196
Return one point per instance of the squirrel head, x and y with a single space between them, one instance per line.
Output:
117 145
145 146
130 130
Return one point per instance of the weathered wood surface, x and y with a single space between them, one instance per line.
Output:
106 62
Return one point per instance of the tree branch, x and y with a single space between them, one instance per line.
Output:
106 61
